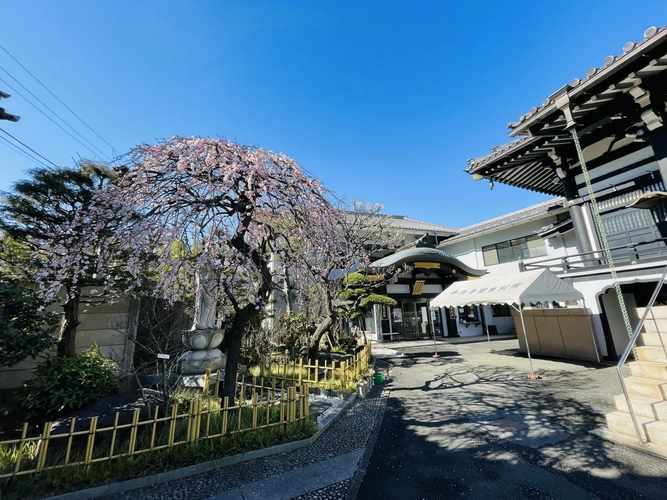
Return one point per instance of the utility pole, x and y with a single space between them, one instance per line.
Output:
3 114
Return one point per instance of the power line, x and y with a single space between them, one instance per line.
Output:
18 150
47 116
26 146
57 99
56 114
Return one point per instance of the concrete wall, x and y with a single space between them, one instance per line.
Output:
108 325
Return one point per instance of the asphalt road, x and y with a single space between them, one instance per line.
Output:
471 425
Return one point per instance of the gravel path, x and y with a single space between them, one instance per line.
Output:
349 433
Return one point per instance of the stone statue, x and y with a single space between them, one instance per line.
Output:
206 298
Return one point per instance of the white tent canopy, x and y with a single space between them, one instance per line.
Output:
521 288
537 286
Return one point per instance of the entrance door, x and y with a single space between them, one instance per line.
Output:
411 320
452 325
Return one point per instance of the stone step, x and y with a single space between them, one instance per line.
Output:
651 430
649 369
647 387
657 325
621 422
661 411
630 442
650 353
642 406
653 339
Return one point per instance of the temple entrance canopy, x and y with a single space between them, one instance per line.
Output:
426 273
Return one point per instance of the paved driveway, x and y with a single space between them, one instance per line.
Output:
470 425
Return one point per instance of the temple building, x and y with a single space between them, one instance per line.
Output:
427 272
612 122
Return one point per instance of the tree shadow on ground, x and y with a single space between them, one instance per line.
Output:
432 445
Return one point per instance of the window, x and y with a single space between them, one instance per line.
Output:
512 250
468 314
500 310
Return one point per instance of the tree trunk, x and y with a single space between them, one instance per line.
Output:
314 341
241 320
68 324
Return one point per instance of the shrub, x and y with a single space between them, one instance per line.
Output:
65 384
26 330
294 334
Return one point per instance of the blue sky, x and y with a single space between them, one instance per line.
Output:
382 101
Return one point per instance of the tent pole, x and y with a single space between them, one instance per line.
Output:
525 336
435 345
486 323
590 327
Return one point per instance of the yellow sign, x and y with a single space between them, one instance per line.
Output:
418 288
427 265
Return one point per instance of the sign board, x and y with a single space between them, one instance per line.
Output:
418 288
163 356
427 265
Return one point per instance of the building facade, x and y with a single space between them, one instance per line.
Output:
598 144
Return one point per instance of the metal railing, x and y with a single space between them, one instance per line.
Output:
631 347
635 252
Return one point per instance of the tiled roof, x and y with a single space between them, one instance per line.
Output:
554 205
405 223
401 222
605 92
426 254
631 50
502 150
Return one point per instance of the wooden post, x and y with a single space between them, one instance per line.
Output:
305 396
24 432
44 445
254 410
113 437
317 370
207 381
225 412
291 404
91 441
172 426
282 405
157 411
72 426
133 433
300 370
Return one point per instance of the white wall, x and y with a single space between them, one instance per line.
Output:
470 251
106 325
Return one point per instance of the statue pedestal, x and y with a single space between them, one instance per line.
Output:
204 354
198 380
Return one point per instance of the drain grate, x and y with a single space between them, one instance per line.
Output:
507 425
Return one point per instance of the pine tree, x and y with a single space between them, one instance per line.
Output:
40 213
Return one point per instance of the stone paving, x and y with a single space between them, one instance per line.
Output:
348 434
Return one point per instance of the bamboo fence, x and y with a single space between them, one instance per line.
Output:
303 371
257 406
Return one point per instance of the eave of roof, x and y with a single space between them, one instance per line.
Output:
546 208
408 224
595 76
526 162
426 254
